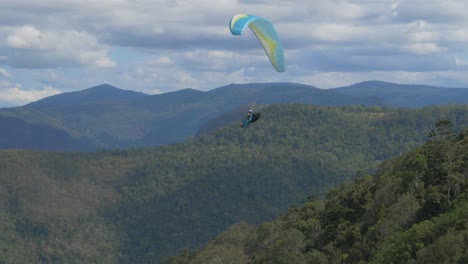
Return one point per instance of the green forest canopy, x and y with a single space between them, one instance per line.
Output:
414 210
141 205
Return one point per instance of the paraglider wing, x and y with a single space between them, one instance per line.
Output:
266 35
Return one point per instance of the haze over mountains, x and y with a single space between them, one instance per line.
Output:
106 117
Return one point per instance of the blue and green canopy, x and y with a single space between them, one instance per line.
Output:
266 35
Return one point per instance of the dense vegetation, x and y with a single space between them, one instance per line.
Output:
415 210
141 205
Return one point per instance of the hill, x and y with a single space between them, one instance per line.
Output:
141 205
109 118
414 210
16 133
100 94
406 95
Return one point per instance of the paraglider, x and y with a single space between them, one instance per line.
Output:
250 118
266 35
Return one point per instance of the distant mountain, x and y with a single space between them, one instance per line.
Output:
16 133
110 117
104 93
280 93
406 95
114 118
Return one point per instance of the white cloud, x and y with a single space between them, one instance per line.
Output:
460 62
165 61
67 46
446 12
4 73
422 48
26 37
341 32
19 96
424 36
96 58
174 44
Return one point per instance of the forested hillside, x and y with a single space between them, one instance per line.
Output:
142 205
414 210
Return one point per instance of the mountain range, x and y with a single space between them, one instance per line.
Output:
406 95
106 117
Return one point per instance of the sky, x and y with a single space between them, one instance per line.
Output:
49 47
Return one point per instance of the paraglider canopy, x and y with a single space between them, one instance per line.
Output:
266 35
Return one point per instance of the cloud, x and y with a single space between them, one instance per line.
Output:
422 48
19 96
163 45
31 47
440 12
4 73
26 37
460 62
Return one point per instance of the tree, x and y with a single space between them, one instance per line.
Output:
437 154
443 131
